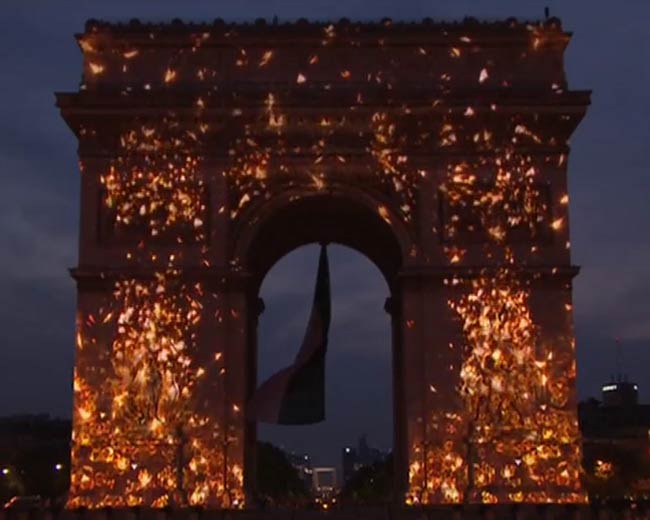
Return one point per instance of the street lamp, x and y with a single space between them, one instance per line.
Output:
58 467
5 471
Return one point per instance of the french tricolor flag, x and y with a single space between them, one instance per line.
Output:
296 394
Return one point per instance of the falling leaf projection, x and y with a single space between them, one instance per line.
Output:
392 162
150 357
248 172
502 191
515 402
153 182
141 435
515 429
138 438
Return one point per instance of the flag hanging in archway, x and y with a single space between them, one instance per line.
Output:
296 394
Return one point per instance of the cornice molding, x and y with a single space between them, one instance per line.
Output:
563 272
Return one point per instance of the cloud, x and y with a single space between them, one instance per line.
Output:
611 293
34 244
37 245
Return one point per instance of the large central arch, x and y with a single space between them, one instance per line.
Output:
438 150
341 216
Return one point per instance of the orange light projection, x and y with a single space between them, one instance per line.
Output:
192 128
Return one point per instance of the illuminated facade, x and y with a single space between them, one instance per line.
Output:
209 151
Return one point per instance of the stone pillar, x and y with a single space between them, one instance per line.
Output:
250 434
551 306
413 363
237 351
400 445
435 446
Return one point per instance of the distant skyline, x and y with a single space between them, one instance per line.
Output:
609 185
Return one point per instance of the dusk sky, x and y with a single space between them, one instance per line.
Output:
609 186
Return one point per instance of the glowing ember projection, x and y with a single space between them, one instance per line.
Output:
154 182
438 150
392 163
510 404
503 198
518 438
138 438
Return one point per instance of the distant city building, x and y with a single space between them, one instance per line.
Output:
324 482
34 456
620 393
19 432
356 458
616 441
349 463
302 463
617 417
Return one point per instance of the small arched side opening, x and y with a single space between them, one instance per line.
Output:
280 228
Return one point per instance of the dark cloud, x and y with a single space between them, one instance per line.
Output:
609 186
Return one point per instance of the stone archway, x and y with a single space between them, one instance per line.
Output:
340 216
438 150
